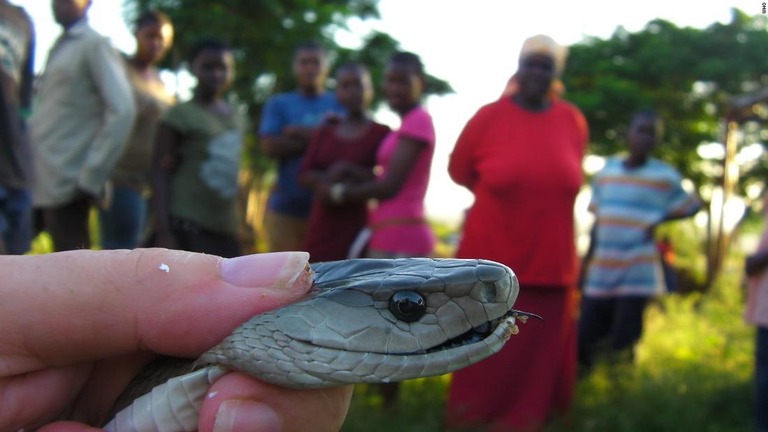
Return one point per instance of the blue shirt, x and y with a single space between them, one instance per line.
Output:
628 203
294 109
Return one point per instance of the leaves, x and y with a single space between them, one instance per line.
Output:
686 74
264 34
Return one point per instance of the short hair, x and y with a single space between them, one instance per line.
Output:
150 17
352 66
645 113
649 113
409 59
310 45
205 44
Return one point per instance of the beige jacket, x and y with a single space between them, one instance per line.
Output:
81 118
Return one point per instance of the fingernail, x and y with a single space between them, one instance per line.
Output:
277 269
245 415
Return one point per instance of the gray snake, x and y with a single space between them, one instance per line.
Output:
365 320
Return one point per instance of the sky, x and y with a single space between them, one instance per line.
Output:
472 44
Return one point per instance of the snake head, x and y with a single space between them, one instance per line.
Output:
375 320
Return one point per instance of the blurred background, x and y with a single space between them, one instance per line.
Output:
702 65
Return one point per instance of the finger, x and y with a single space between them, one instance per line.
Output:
73 306
38 397
236 400
108 379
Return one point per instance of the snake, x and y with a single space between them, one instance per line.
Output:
363 321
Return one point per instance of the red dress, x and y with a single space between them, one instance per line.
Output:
524 169
333 227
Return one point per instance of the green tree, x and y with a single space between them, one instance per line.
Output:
689 76
686 74
264 34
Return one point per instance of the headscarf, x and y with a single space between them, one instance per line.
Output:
542 44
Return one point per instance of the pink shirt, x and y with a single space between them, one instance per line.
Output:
395 221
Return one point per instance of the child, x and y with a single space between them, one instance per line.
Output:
197 159
354 140
630 197
287 124
398 224
122 223
757 314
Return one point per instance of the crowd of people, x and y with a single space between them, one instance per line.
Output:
104 132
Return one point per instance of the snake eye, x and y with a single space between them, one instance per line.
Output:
407 306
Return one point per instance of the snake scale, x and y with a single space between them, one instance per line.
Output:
364 321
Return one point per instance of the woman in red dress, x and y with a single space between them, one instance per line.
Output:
521 158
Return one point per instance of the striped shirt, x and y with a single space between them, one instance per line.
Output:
628 203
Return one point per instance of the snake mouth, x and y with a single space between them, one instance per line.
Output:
478 334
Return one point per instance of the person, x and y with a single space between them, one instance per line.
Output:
197 160
521 158
630 196
79 127
287 124
53 364
397 222
17 39
397 226
756 313
354 139
122 222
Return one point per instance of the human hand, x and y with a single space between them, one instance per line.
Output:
78 325
297 131
338 171
345 171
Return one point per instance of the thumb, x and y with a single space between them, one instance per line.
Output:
81 305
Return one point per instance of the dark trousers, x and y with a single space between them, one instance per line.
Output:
761 379
193 238
68 224
615 322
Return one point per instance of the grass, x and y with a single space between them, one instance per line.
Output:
693 372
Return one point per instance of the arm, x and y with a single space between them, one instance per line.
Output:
682 203
689 208
109 76
8 125
164 159
292 142
348 172
309 175
461 165
28 75
321 179
587 256
280 140
400 166
340 172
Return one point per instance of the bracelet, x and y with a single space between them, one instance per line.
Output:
337 193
